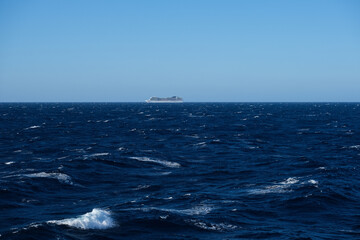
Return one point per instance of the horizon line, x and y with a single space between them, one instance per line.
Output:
180 103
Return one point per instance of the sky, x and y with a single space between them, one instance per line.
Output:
201 50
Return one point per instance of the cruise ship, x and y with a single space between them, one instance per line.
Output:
173 99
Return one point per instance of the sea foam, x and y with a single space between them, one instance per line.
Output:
198 210
32 127
96 219
220 227
97 155
61 177
161 162
280 187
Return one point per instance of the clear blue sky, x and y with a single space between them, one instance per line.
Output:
73 50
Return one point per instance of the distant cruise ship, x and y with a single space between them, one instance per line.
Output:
173 99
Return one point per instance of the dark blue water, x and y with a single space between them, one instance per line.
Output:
180 171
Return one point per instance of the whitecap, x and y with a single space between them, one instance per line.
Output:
61 177
161 162
140 187
313 182
9 163
213 226
280 187
96 219
31 225
97 155
32 127
355 147
200 144
289 181
198 210
192 136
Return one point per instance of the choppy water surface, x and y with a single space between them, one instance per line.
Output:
180 171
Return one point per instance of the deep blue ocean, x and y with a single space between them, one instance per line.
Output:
180 171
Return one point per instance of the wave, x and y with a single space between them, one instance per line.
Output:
61 177
32 127
96 155
96 219
219 227
199 210
282 187
161 162
313 182
355 147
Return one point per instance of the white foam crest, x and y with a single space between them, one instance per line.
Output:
32 127
200 144
9 163
355 147
97 155
96 219
31 225
199 210
61 177
289 181
313 182
161 162
213 226
280 187
193 136
140 187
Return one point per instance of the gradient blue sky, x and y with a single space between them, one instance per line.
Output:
73 50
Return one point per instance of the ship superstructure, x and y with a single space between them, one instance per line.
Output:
174 99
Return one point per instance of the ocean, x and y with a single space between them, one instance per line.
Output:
179 171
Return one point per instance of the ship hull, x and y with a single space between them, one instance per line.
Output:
152 101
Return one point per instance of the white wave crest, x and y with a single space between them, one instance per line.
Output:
199 210
289 181
200 144
97 155
280 187
161 162
32 127
313 182
355 147
61 177
220 227
96 219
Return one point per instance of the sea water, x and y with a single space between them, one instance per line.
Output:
180 171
